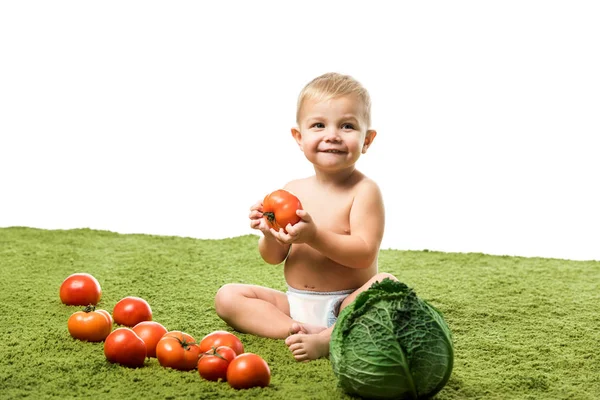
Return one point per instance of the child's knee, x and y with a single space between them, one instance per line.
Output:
224 299
382 275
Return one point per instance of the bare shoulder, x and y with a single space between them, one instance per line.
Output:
367 214
366 186
298 185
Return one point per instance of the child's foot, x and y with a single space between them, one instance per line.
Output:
305 328
306 347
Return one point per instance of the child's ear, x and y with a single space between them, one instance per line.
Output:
297 136
369 137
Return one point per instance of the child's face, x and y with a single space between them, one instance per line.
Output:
333 133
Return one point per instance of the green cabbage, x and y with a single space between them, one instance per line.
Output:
390 344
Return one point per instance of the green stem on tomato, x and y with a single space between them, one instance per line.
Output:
270 216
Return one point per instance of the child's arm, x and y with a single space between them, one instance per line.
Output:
367 220
272 251
361 247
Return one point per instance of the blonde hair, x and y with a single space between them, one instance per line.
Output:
332 85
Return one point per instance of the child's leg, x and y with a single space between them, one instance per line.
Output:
254 309
305 346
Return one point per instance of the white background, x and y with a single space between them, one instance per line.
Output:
173 117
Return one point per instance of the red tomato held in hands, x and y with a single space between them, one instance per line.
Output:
130 311
279 209
150 332
221 338
213 365
178 350
80 290
248 370
90 325
124 347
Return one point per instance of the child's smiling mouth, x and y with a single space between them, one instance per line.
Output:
333 151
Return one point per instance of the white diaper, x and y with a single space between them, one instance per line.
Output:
315 308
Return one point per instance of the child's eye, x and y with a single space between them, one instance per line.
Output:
318 125
348 126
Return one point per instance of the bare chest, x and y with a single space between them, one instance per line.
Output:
330 211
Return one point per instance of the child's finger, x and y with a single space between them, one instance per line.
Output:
292 230
288 236
280 235
254 214
305 216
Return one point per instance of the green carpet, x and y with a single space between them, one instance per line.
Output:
524 328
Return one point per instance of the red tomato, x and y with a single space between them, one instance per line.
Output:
221 338
150 332
124 347
213 365
80 290
279 209
248 370
178 350
90 325
130 311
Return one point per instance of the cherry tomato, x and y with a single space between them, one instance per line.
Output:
130 311
124 347
213 364
150 332
221 338
80 290
279 209
90 325
178 350
248 370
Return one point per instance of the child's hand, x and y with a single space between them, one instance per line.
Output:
301 232
257 221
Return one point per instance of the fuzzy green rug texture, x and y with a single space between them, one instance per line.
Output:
524 328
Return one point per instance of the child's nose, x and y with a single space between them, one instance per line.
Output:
332 135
